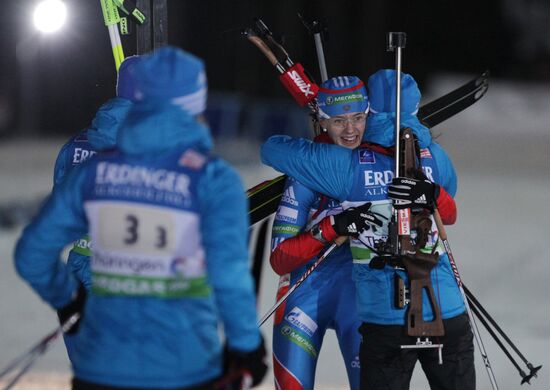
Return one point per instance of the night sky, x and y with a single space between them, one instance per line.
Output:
69 74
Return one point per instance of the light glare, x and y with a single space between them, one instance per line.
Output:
50 15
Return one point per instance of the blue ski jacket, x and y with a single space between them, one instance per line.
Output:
357 176
100 136
168 227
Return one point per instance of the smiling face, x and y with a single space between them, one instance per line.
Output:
347 129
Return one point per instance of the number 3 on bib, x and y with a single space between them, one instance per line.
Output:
139 229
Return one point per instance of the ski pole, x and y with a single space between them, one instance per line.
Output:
486 318
396 42
525 378
260 44
26 360
264 32
320 56
306 274
111 18
292 75
473 324
317 29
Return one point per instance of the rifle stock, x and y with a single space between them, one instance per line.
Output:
417 263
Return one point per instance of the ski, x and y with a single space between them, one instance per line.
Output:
160 23
153 32
143 32
264 198
428 109
437 111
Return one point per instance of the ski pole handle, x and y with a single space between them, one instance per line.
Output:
266 33
260 44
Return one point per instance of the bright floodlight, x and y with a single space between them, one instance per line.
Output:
50 15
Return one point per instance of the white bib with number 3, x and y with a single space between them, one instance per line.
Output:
142 249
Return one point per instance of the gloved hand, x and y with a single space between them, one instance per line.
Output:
353 221
413 193
252 362
75 306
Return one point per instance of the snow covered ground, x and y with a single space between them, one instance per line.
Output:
499 150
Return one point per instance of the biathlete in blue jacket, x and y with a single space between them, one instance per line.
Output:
361 179
100 136
168 227
326 300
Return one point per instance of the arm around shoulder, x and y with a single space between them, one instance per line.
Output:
327 169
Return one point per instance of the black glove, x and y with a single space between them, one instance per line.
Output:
413 193
252 362
353 221
75 306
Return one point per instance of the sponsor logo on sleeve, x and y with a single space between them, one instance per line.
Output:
286 230
83 246
289 197
287 214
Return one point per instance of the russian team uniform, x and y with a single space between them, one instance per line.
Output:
325 300
169 258
99 137
354 177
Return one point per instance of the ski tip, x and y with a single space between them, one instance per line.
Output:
481 91
484 77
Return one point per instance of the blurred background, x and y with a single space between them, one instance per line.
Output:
51 85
